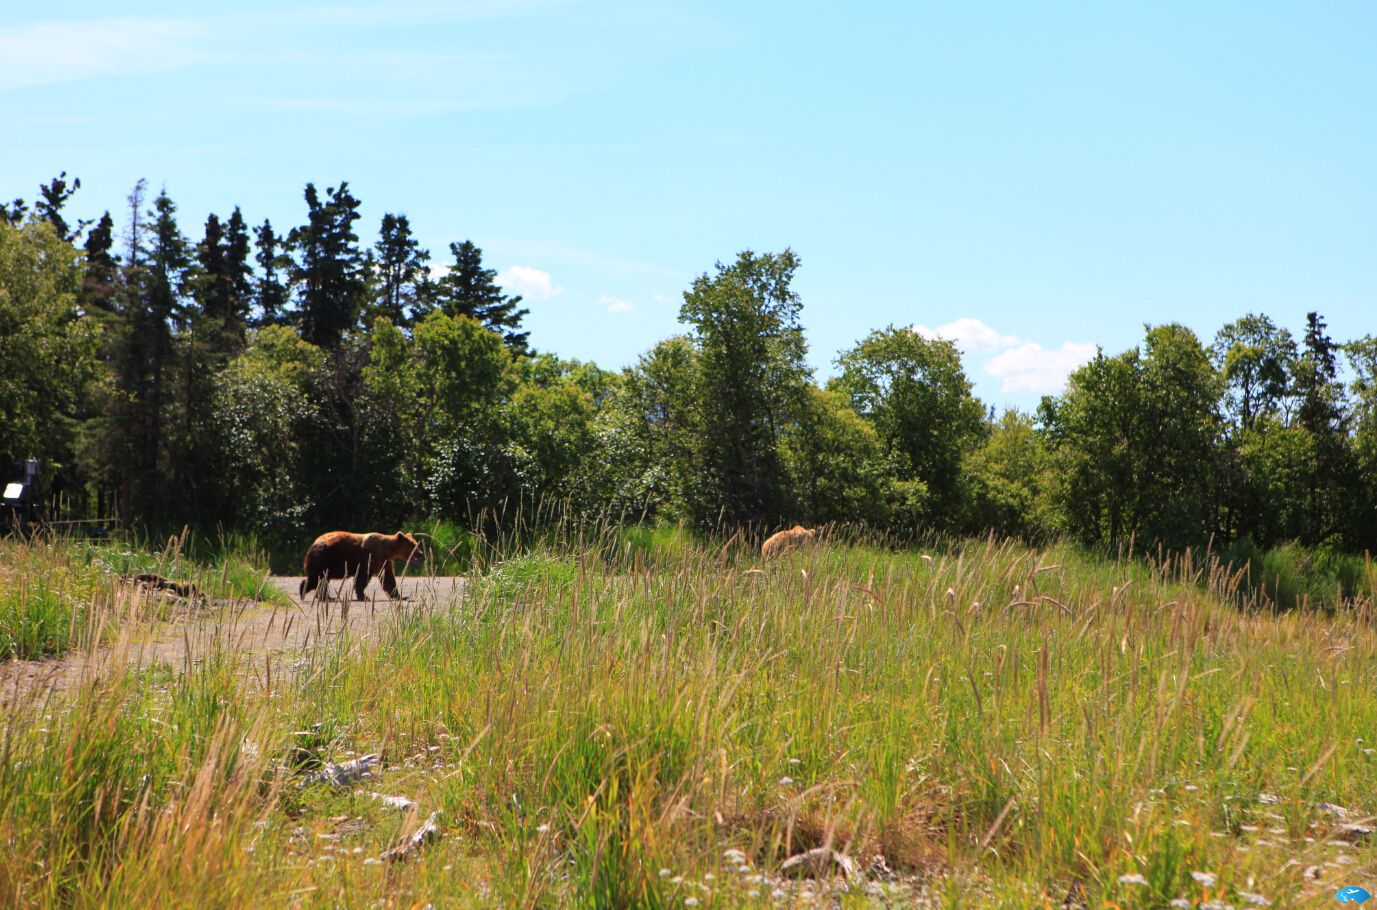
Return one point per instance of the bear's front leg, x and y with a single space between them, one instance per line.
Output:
389 582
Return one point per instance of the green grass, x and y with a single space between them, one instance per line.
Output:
56 592
1003 724
1293 577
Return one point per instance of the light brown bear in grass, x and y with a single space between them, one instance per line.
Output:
340 554
788 540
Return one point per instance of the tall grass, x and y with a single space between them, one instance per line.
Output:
602 717
55 592
1291 576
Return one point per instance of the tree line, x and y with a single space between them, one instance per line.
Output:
286 381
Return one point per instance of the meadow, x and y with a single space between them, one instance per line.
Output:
639 718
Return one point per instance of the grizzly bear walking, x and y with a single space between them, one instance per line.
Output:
785 541
340 554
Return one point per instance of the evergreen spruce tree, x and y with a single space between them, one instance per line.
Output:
212 286
329 272
12 213
403 276
239 271
270 293
52 198
468 289
99 284
131 435
1322 413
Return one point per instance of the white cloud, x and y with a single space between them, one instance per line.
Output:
44 53
1030 367
970 335
530 282
616 304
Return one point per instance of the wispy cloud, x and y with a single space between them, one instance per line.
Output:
1020 365
971 335
616 304
1030 367
47 53
530 282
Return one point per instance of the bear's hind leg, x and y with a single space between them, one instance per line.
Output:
361 580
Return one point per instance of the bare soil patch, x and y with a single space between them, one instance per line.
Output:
250 628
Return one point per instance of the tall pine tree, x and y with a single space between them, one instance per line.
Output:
329 272
239 271
468 289
1323 415
101 279
52 198
403 277
270 291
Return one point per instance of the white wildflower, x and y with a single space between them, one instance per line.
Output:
1133 878
1205 879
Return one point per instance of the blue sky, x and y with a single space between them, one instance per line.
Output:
1032 179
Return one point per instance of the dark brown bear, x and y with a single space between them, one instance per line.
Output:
340 554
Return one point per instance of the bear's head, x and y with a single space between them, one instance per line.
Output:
404 546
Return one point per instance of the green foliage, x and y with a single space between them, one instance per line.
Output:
403 279
441 389
914 392
47 350
1292 576
1008 479
552 428
329 272
1276 463
450 548
260 404
469 290
749 383
1133 443
1255 360
648 433
174 383
835 462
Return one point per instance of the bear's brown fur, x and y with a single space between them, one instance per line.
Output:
340 554
785 541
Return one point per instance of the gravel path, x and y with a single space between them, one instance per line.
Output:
250 628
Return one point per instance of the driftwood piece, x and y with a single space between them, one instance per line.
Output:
820 862
151 581
426 834
403 803
345 774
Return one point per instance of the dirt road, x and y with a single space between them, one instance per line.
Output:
249 628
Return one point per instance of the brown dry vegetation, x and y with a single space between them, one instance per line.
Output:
604 724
